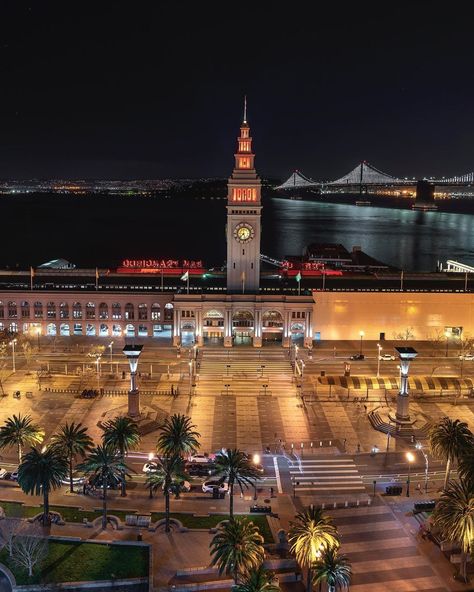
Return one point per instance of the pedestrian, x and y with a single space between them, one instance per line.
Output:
344 443
271 492
365 408
358 447
172 390
418 487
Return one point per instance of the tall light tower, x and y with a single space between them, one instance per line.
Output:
406 355
133 353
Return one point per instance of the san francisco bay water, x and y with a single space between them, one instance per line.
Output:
97 230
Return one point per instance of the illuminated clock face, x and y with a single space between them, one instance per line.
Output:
243 232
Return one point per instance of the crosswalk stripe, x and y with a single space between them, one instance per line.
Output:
333 488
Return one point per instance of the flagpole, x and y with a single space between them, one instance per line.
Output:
187 282
401 281
324 279
31 277
162 280
96 278
299 287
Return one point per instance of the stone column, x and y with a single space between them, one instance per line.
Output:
228 328
308 340
257 329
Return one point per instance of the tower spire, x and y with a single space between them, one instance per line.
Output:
245 108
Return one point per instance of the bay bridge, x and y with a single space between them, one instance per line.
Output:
366 175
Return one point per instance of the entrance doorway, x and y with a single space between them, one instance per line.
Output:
242 327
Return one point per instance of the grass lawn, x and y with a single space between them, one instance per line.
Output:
71 562
190 521
69 513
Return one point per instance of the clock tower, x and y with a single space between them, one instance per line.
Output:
243 218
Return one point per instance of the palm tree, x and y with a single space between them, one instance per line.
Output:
311 533
237 548
105 465
73 439
20 432
236 468
449 440
121 434
40 472
178 436
466 466
258 580
332 568
166 474
454 516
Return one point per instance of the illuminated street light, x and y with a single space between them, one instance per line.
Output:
410 458
361 333
446 334
256 461
12 344
419 446
133 353
406 355
379 349
111 356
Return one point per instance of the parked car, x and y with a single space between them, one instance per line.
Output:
3 473
467 357
357 357
200 469
209 486
387 357
113 483
199 458
14 475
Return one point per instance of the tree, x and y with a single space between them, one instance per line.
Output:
74 440
121 434
178 436
258 580
454 516
29 550
332 568
236 468
311 532
405 335
105 466
9 529
466 466
449 440
20 432
42 471
26 348
166 474
237 548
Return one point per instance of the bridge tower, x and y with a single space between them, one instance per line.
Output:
243 217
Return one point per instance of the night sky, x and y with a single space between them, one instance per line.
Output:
154 90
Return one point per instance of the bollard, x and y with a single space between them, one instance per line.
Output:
357 504
330 442
323 506
346 504
335 505
320 443
369 501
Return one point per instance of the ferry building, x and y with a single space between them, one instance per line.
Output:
184 303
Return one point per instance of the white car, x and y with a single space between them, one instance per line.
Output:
387 358
3 472
199 458
467 357
209 486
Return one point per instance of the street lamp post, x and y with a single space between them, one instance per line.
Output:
419 446
12 343
361 333
302 376
111 356
97 362
191 377
379 349
410 458
256 461
446 334
133 353
38 333
406 355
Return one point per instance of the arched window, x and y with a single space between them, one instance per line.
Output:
129 312
51 310
116 312
90 310
77 310
38 306
142 312
169 311
2 310
14 327
103 311
25 310
12 311
64 312
155 311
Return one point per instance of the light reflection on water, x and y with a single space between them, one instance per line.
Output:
407 239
